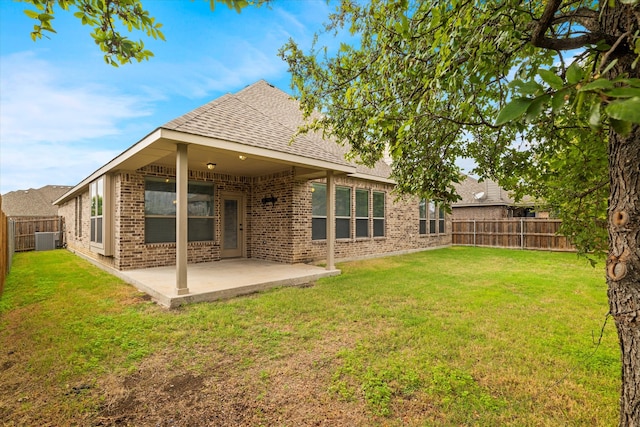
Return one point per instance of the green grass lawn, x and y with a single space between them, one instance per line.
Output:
456 336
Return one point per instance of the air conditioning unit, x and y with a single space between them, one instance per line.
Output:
47 241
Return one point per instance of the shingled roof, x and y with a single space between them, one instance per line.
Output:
485 193
33 202
264 116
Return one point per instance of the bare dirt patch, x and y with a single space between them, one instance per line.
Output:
288 391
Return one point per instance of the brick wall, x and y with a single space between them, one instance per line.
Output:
480 212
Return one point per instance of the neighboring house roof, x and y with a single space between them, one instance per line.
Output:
259 121
485 193
34 201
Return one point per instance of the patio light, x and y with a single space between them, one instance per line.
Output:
211 166
242 157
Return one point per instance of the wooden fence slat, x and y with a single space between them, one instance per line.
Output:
26 227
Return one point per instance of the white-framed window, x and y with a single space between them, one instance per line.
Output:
424 219
160 211
318 211
100 235
432 217
379 211
343 212
362 213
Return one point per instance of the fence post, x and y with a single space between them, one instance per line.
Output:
521 233
474 232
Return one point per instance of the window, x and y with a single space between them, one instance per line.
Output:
97 200
160 211
100 235
362 213
423 216
432 217
343 212
318 211
378 214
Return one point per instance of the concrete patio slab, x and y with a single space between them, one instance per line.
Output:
212 281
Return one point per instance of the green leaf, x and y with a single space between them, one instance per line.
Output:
535 109
558 99
551 78
574 73
596 85
627 110
620 126
31 14
513 110
594 116
623 92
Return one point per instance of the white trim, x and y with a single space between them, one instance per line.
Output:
368 177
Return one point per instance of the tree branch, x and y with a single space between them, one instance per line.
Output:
547 20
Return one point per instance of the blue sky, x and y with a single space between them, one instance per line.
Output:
64 112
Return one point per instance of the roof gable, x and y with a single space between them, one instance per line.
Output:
263 116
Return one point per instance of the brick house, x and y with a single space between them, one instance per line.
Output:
487 200
226 181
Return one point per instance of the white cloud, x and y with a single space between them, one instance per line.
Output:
38 104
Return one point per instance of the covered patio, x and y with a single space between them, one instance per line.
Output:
210 281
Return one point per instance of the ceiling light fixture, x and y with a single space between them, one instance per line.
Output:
242 157
211 166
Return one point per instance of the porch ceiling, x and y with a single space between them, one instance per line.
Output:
163 152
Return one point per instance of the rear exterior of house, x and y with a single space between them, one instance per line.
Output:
227 181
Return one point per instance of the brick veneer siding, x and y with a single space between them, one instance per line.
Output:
271 222
479 212
279 231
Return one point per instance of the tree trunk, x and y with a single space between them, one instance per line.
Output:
623 265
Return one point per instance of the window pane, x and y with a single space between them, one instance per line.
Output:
319 200
432 226
159 198
160 230
200 229
441 226
100 195
319 228
230 224
362 203
362 227
378 227
200 199
423 209
378 204
423 226
98 229
343 229
432 210
343 201
93 229
94 199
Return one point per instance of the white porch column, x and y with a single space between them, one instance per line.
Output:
182 179
331 220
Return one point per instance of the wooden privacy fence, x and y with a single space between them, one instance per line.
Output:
5 248
26 227
522 233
